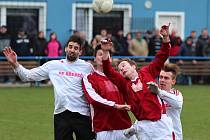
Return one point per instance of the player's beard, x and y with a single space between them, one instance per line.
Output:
72 58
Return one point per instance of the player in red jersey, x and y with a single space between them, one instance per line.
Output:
148 108
108 109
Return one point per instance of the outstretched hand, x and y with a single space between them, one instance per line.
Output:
122 107
11 56
106 44
153 87
164 31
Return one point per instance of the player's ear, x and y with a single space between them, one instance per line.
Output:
110 59
133 66
173 81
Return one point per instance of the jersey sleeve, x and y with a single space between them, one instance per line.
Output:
114 76
36 74
122 84
157 64
175 99
90 89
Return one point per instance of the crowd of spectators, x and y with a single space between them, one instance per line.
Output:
132 44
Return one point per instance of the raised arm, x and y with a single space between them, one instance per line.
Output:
109 71
35 74
116 78
155 66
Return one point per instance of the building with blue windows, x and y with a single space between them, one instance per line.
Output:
64 16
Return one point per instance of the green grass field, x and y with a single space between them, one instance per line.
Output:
27 113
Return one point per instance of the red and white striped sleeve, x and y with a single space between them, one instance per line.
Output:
174 98
90 89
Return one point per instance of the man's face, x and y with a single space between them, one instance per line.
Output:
72 51
41 35
138 36
99 56
3 30
166 80
126 70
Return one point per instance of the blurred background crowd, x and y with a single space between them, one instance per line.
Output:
132 44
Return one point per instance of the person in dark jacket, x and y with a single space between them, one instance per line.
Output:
5 39
21 44
40 45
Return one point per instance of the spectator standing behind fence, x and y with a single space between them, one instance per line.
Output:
40 44
86 48
53 48
4 42
21 44
4 39
206 49
155 43
148 36
122 44
93 43
202 42
138 46
193 36
128 40
103 33
176 42
206 52
186 49
115 48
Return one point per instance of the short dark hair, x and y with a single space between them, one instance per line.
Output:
98 47
76 39
4 26
131 62
173 68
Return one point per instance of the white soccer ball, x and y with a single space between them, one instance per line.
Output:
102 6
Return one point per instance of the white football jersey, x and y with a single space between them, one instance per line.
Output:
66 78
174 102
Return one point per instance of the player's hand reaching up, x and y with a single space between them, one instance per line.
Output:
106 46
11 56
164 31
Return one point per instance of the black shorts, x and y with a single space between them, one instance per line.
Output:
68 122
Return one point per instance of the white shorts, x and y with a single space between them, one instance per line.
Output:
113 135
155 130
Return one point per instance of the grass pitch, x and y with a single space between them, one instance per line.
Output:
27 113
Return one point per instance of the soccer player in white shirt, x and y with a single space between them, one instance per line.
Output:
172 97
71 112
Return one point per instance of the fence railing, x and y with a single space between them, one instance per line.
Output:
188 68
114 57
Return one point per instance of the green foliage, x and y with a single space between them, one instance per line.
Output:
27 113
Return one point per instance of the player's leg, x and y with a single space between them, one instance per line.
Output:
162 129
113 135
62 129
82 127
